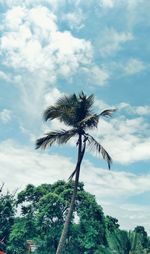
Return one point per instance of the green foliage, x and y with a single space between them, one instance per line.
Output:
18 237
7 212
43 211
117 239
140 243
103 250
92 225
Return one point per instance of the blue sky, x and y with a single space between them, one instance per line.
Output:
50 48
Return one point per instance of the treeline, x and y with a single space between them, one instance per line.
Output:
38 213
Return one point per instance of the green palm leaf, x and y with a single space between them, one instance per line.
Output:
51 113
94 144
89 100
107 112
89 121
68 101
59 137
70 109
64 105
84 107
64 110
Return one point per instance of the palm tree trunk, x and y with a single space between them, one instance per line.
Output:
71 208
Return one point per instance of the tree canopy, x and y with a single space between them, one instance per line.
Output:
42 213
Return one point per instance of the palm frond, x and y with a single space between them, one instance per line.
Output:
94 144
90 101
67 101
84 107
107 112
64 110
90 121
87 100
82 95
51 113
70 109
63 106
59 137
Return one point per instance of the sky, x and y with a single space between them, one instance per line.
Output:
50 48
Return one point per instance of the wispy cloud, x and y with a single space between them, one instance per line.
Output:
138 110
74 19
107 3
134 66
96 76
23 165
112 41
4 76
126 139
31 3
5 116
126 136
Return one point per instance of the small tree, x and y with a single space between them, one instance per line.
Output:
77 113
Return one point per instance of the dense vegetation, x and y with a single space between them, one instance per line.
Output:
42 214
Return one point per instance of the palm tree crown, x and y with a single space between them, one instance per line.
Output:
77 113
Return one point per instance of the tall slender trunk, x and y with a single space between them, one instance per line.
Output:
62 240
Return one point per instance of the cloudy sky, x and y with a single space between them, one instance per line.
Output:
53 47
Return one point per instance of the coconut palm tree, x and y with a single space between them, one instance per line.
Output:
76 112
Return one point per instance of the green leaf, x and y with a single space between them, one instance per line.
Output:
99 148
59 137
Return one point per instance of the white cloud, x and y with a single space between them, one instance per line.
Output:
111 41
129 215
134 66
23 165
137 12
30 3
4 76
108 184
143 110
99 76
14 17
129 67
5 116
100 105
134 11
39 54
130 4
35 43
52 97
125 139
96 75
74 19
139 110
107 3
